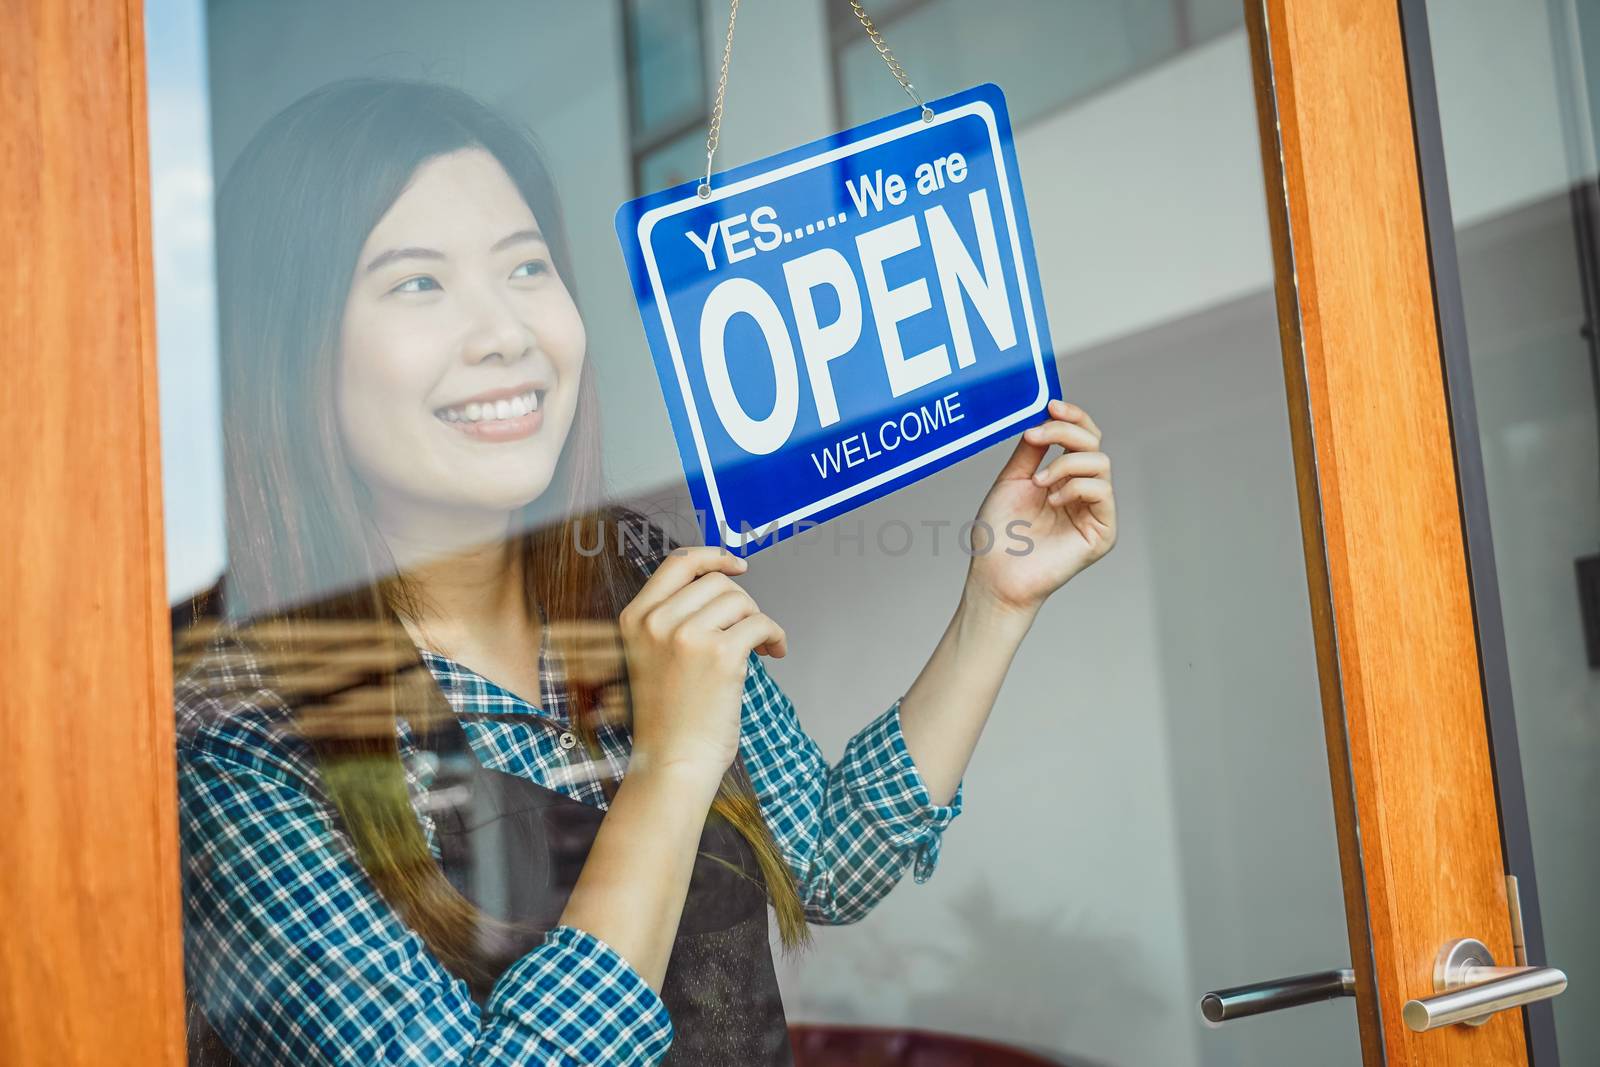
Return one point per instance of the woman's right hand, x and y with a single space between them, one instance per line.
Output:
688 636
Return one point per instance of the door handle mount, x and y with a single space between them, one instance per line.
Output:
1469 988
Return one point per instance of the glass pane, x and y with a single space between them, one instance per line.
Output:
674 162
669 75
1516 85
1207 18
404 713
1050 52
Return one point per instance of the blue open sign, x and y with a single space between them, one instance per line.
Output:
839 320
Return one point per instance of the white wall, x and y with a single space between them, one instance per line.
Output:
1147 199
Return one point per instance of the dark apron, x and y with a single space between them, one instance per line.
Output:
515 850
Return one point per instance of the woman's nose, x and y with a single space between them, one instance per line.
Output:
497 332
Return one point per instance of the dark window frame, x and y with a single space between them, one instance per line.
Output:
640 147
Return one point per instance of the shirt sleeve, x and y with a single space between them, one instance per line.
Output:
848 831
295 959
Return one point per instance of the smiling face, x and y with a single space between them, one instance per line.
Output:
460 351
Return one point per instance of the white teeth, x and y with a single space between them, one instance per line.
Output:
511 408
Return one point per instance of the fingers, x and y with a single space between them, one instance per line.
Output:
725 610
677 571
1068 435
693 589
1071 412
1064 412
687 602
1096 492
725 607
1074 465
758 631
1068 425
1082 473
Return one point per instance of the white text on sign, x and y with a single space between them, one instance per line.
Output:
960 277
857 449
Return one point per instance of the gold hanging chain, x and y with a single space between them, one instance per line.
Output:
714 133
889 60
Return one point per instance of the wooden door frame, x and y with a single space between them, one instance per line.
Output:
1353 164
91 960
92 972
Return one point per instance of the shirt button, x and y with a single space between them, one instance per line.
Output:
568 739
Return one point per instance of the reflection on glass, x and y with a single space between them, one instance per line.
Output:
667 88
674 162
1207 18
1049 52
410 516
340 797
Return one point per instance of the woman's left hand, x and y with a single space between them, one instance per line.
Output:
1066 510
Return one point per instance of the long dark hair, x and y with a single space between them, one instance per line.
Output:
292 217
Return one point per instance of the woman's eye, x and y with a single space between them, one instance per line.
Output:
534 268
422 283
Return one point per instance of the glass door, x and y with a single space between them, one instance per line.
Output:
1147 818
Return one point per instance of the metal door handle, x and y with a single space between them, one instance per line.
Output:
1469 987
1224 1004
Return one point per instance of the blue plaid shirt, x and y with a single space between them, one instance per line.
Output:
295 959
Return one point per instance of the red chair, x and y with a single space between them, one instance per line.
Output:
864 1046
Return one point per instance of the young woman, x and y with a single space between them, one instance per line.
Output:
455 787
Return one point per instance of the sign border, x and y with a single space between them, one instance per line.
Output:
689 200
